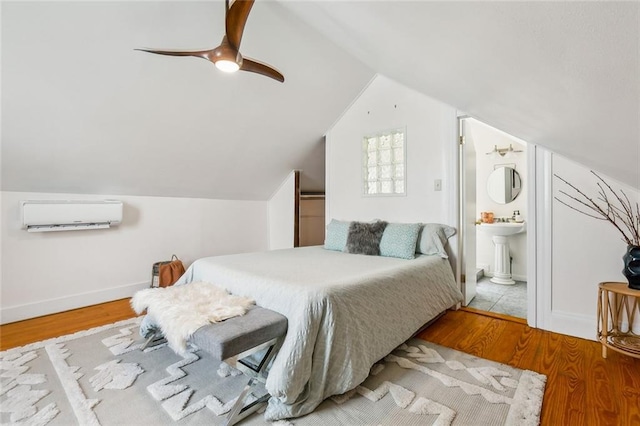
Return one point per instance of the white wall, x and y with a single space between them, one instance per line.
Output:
585 252
581 251
485 138
430 126
282 214
44 273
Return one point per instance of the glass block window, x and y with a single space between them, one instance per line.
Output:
383 163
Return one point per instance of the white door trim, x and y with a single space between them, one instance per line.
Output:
541 247
533 228
455 212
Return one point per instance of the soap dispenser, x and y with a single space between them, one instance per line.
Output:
516 216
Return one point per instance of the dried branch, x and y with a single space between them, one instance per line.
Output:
580 211
611 206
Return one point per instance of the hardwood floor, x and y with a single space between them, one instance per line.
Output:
28 331
582 387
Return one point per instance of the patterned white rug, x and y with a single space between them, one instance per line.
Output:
101 377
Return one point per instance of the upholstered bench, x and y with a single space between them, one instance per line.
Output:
247 343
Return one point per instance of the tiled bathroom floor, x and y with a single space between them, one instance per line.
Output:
503 299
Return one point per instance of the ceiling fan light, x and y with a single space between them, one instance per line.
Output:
227 66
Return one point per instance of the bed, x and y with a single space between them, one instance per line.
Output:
345 312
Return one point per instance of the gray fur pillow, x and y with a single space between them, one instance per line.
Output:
364 238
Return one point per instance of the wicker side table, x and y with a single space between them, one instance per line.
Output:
618 308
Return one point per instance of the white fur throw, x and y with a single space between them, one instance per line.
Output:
180 310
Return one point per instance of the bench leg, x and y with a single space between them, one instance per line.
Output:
239 410
146 343
150 339
256 373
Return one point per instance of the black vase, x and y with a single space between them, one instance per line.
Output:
632 266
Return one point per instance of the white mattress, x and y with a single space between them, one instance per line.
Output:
345 312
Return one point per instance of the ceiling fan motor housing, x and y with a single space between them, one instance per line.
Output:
225 52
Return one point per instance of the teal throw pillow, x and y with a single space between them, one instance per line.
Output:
336 235
399 240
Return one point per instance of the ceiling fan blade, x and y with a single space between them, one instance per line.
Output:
204 54
236 18
260 68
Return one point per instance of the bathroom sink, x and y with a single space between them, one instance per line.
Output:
502 229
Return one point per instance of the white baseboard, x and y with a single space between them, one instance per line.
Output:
484 266
515 277
577 325
52 306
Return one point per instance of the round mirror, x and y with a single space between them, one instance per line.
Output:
504 185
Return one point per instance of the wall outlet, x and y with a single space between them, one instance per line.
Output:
437 186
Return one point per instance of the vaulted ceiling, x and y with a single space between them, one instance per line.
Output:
82 112
564 75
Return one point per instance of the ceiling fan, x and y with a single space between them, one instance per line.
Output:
227 57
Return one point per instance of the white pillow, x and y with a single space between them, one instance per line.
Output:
433 239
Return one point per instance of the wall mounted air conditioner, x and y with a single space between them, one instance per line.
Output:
70 215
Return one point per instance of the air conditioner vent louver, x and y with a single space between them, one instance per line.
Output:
70 215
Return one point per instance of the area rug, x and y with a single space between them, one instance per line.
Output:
102 377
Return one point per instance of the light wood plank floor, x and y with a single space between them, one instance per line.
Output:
582 387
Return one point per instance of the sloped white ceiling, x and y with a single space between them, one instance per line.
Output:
83 112
564 75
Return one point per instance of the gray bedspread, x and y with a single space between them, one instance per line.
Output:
345 312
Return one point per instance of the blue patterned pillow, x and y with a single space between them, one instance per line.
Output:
336 235
399 240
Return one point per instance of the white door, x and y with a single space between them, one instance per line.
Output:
468 212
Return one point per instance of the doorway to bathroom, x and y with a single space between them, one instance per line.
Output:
494 213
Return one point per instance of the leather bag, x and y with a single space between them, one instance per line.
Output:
168 272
